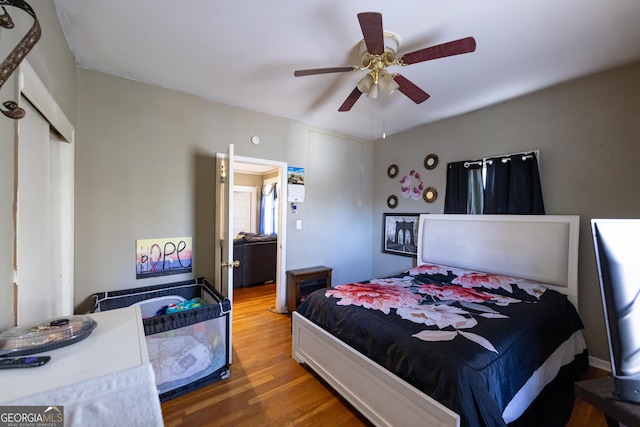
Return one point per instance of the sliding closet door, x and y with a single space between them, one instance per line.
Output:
44 196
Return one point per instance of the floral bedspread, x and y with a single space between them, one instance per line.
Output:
468 339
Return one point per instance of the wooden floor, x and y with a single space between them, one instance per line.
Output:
267 387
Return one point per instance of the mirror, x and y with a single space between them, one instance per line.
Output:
392 171
430 194
392 202
431 161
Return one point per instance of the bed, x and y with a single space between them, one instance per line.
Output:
483 331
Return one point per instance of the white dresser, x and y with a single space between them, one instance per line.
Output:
106 376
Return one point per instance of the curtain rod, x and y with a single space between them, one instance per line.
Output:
504 157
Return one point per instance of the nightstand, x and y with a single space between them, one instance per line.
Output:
303 281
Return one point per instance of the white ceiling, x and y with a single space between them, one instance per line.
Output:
244 52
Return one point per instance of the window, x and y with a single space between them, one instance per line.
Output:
508 184
269 208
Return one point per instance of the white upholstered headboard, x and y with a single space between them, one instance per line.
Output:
543 248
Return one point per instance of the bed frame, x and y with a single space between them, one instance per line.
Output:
543 248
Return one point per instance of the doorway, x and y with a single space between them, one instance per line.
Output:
266 172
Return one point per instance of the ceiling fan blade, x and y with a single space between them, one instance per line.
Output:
311 72
412 91
371 25
455 47
351 99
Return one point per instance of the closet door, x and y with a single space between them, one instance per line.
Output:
44 215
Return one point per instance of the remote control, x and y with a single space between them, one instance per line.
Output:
23 362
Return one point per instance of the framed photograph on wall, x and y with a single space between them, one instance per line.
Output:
400 234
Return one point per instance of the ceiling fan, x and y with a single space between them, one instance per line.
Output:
378 51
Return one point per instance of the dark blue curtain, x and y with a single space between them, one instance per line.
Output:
496 194
513 186
464 193
455 198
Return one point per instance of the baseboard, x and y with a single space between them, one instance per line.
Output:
600 364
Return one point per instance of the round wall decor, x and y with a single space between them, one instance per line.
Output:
392 171
430 194
392 201
431 161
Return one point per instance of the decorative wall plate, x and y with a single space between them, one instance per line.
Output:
392 171
431 161
392 201
430 194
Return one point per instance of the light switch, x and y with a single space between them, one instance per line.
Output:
299 224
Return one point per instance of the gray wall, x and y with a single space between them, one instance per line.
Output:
588 134
52 61
145 168
145 162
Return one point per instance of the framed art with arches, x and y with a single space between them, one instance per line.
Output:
400 234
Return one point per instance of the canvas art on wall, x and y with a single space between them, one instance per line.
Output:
164 256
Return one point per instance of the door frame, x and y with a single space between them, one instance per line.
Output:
281 257
30 86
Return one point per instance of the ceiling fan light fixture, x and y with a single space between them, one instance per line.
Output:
383 77
383 53
392 87
387 82
365 83
373 91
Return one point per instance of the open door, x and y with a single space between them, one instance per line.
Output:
224 262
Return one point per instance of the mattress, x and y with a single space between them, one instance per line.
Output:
483 345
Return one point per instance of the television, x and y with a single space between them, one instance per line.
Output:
617 247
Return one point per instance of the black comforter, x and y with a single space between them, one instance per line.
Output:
470 340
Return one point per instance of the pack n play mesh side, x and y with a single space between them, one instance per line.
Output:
187 349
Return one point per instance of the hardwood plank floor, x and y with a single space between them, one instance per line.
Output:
267 387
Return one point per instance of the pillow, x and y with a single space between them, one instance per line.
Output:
430 269
477 279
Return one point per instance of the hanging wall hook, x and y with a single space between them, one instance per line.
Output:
12 110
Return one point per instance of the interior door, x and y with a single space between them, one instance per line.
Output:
224 262
244 209
228 262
